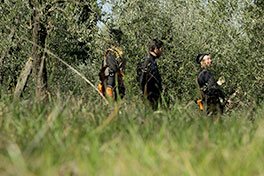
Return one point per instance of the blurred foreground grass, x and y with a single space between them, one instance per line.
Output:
88 138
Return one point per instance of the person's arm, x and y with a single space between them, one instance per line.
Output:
202 80
112 62
113 68
213 88
144 75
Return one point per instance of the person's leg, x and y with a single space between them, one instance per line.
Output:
210 109
154 100
121 88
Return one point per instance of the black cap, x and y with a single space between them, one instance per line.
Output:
155 43
116 34
200 57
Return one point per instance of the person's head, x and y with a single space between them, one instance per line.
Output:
156 47
116 35
204 60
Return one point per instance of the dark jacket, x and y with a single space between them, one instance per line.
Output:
150 80
210 90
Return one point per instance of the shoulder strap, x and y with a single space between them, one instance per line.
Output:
201 89
116 50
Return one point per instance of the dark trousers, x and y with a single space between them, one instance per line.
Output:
154 100
214 106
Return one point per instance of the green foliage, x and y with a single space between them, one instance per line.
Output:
231 31
14 51
192 27
75 133
89 138
253 24
72 35
74 39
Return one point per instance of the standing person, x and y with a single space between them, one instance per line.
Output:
150 79
211 93
112 70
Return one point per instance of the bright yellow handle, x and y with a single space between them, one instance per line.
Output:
200 104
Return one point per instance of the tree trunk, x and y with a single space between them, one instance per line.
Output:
23 78
41 82
39 65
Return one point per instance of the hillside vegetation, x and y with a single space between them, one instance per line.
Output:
53 121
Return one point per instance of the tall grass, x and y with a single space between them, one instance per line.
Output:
75 137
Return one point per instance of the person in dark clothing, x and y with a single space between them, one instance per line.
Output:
212 95
150 79
112 71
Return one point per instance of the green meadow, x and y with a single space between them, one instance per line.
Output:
82 138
